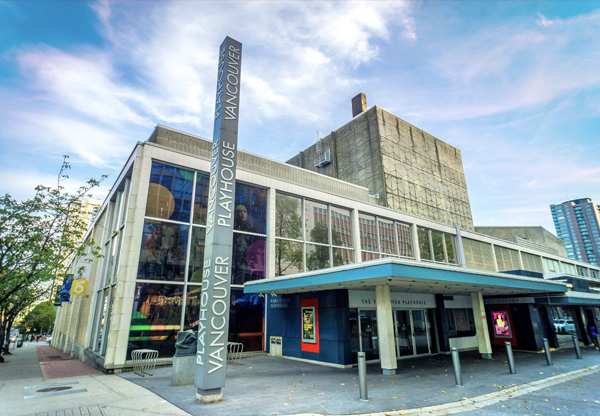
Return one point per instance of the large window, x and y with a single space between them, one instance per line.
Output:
436 246
382 237
460 322
310 235
112 223
249 238
163 253
552 266
169 275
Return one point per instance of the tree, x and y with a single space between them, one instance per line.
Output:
288 223
38 238
42 317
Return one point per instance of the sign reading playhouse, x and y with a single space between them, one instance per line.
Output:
213 328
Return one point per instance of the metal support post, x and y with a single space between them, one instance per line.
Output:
362 377
547 350
511 359
577 348
597 337
456 364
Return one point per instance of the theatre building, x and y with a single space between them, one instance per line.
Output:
321 268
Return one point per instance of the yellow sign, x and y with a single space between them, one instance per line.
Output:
79 287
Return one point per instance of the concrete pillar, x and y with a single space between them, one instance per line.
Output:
521 261
356 236
385 330
460 250
271 231
481 326
496 269
415 242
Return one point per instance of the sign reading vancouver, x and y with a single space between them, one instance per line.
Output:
213 328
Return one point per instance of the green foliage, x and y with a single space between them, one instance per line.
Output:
41 317
288 223
38 238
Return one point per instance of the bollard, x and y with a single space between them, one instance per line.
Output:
511 359
577 349
362 377
597 342
547 349
456 363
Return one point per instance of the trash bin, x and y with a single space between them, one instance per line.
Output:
19 342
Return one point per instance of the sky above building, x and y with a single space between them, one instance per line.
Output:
515 85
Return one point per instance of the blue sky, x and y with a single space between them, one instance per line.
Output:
515 85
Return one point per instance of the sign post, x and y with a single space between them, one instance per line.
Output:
213 328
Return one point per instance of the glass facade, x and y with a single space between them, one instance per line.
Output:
382 237
310 235
436 246
169 272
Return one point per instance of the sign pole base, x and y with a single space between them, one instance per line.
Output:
209 396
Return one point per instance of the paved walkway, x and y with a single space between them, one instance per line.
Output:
266 385
69 387
40 380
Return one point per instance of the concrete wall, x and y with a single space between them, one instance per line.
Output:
411 170
537 235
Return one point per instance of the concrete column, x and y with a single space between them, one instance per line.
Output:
495 260
356 236
271 231
415 242
460 250
481 326
521 261
385 330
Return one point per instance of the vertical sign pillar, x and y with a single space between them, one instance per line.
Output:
213 328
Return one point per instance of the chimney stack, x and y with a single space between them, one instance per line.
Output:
359 104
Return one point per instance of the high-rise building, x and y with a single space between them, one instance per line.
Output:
577 223
404 167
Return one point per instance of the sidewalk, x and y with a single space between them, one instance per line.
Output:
40 380
266 385
43 381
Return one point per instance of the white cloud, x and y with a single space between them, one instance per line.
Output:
543 21
510 67
158 65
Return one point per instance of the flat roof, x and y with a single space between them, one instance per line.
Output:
404 275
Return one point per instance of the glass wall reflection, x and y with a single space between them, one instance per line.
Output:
169 193
249 258
163 251
156 318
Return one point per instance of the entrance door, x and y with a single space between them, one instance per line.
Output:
421 332
404 339
412 333
369 342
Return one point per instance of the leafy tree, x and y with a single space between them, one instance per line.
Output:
38 238
319 259
288 223
42 317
